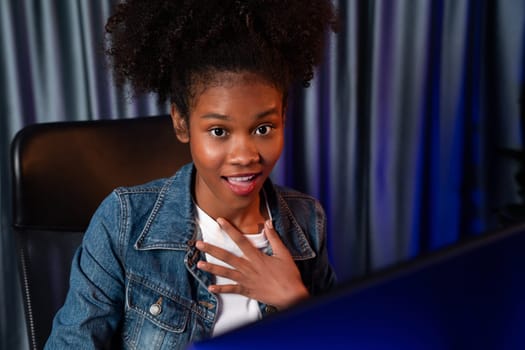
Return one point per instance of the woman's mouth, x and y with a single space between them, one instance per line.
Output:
242 185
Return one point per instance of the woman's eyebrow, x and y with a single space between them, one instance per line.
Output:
215 116
227 117
270 111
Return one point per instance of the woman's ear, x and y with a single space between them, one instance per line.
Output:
180 125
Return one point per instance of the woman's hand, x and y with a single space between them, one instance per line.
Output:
273 280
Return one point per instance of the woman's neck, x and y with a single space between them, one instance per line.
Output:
248 220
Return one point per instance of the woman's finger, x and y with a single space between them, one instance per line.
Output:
219 253
226 288
277 245
242 242
218 270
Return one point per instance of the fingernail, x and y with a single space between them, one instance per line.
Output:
199 244
269 224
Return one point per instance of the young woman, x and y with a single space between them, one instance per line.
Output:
217 245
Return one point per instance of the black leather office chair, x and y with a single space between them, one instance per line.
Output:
61 172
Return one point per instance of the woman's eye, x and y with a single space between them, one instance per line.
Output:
218 132
263 130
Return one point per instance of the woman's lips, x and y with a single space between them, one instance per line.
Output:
242 185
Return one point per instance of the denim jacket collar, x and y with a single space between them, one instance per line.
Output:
171 223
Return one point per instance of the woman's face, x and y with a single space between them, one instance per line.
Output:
236 135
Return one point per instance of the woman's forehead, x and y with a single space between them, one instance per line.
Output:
228 80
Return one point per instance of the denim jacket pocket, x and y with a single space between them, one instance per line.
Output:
153 319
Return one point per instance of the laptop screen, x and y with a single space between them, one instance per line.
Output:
469 296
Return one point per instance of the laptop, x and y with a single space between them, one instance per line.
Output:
468 296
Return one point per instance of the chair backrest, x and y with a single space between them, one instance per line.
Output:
61 173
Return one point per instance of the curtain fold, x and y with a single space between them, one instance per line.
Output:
399 136
52 69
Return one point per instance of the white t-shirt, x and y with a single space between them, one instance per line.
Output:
233 310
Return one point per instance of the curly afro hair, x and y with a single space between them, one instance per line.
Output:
169 46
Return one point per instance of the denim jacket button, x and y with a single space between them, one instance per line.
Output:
155 309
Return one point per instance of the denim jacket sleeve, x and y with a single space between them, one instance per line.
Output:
317 273
302 226
323 276
94 303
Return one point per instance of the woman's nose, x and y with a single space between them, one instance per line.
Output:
243 152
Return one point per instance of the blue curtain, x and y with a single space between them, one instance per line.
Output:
399 135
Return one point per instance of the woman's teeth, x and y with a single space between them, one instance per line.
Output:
240 178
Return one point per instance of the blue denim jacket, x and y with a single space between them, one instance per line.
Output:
134 279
